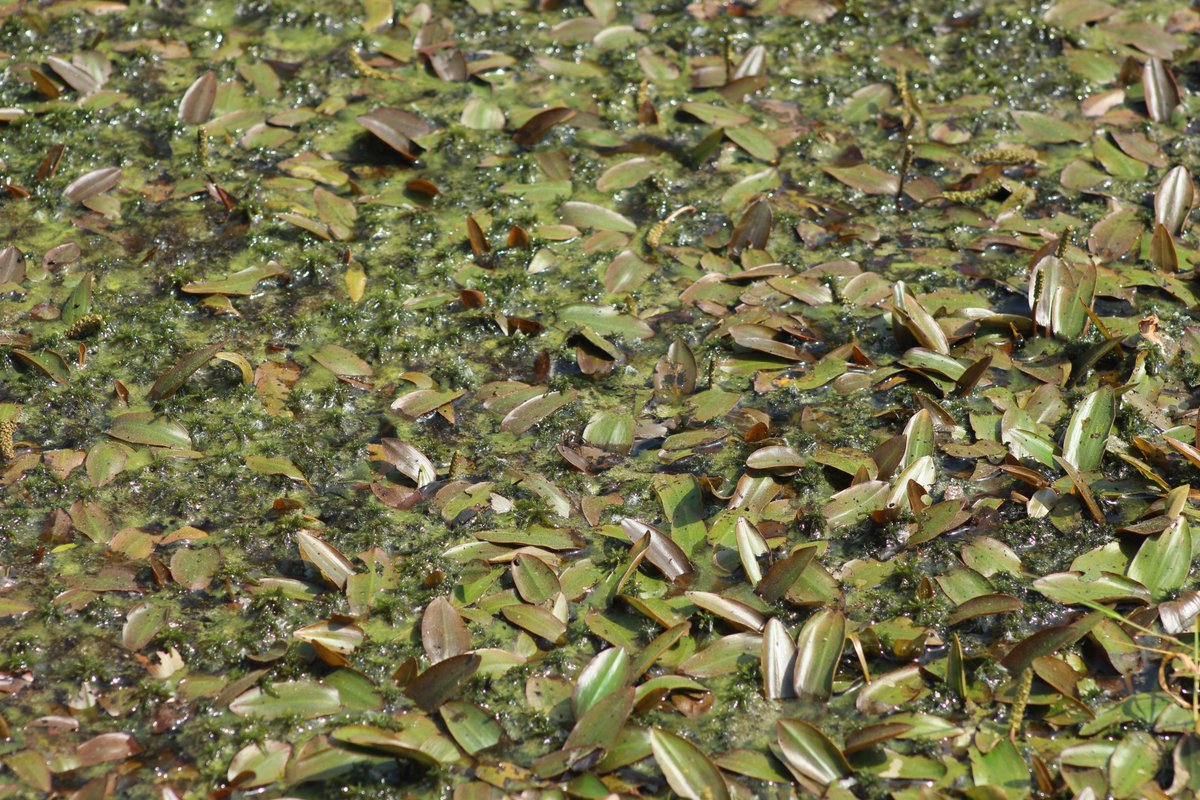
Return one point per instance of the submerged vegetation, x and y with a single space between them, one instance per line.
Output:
550 398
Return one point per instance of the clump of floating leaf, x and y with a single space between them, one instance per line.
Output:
196 106
397 128
79 79
668 557
93 183
408 460
1161 90
1061 294
1174 200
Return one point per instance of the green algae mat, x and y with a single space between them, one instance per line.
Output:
504 398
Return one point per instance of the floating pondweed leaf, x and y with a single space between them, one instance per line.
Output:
1086 437
443 632
416 738
397 128
472 727
196 106
735 612
415 405
12 266
1174 200
667 556
538 621
143 623
534 410
92 184
540 124
143 427
410 461
303 699
242 282
866 178
810 754
77 78
173 379
482 115
1162 562
753 229
342 362
194 568
259 765
626 174
910 318
1043 128
333 641
608 672
441 681
785 574
328 560
778 661
589 215
983 605
818 651
276 465
688 771
48 362
1160 90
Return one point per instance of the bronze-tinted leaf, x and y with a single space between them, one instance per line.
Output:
1174 200
540 124
443 632
1161 91
396 127
196 106
93 183
439 683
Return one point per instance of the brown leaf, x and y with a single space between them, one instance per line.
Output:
540 124
197 103
443 632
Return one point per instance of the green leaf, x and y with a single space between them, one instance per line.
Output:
275 465
818 651
1162 562
1133 764
239 283
473 728
341 361
809 753
1003 768
174 378
1087 432
688 771
79 303
305 699
418 739
604 674
142 427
